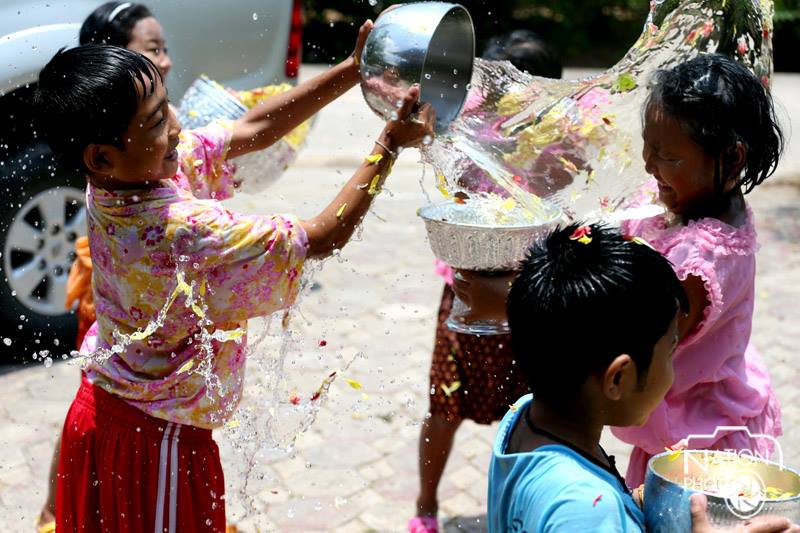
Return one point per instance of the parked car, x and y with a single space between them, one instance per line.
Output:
241 43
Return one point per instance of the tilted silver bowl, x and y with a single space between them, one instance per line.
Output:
430 43
466 245
673 477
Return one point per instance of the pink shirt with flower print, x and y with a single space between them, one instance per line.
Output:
247 266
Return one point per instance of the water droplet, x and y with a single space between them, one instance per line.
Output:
455 86
427 76
208 521
48 362
7 341
393 116
455 71
373 3
255 17
427 140
399 103
290 513
318 506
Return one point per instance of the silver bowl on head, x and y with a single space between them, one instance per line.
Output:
467 245
738 487
429 43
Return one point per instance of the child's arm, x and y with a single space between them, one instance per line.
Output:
698 301
270 120
332 228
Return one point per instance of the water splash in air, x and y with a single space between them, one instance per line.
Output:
576 144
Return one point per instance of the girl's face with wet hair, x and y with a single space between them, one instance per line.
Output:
147 38
683 169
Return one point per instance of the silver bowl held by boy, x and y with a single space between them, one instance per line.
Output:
738 487
429 43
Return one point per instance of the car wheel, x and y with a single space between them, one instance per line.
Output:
42 216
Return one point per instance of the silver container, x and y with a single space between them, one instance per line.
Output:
667 492
206 100
469 246
430 43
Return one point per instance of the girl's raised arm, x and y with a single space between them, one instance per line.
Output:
270 120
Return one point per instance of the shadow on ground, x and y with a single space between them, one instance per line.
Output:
468 524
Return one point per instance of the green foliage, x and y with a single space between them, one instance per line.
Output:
584 32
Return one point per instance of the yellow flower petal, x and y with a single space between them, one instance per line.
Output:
232 424
508 204
353 383
340 212
374 188
186 366
448 390
373 158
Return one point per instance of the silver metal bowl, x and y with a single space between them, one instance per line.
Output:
469 246
206 100
430 43
671 479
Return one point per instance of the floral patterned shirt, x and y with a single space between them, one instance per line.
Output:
176 276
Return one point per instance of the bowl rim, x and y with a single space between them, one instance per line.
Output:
422 212
708 494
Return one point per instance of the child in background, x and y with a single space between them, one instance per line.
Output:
136 445
548 472
710 135
471 377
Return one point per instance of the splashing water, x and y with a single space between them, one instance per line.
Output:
575 143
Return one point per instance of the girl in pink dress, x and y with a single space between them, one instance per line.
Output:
710 136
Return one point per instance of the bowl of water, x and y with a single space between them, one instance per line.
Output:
738 487
429 43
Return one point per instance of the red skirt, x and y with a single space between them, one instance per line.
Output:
472 377
121 470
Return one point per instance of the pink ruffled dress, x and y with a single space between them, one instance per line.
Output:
720 379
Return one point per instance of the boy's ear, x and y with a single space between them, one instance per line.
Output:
620 377
99 158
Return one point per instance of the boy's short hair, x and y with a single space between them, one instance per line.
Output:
89 95
579 303
527 51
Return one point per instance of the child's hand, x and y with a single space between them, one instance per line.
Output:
759 524
484 293
407 131
638 496
363 33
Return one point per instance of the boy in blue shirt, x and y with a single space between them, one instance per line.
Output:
593 318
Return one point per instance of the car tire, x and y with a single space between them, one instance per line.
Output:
42 214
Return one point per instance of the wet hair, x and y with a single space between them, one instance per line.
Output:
111 23
718 102
527 51
575 307
89 95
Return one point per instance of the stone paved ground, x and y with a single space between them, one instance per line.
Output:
355 470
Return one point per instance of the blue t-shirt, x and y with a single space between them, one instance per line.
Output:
553 489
